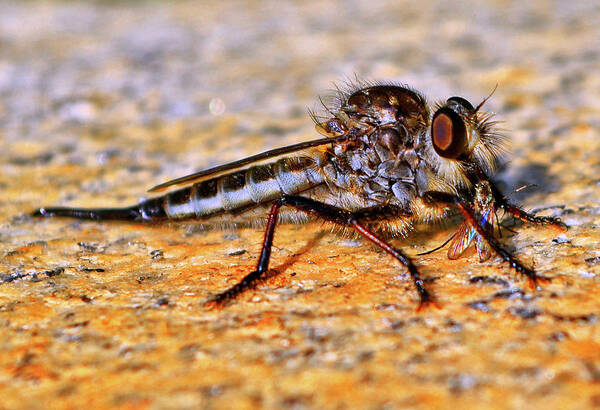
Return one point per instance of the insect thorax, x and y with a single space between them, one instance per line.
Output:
381 163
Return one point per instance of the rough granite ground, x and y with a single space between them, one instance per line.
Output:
100 101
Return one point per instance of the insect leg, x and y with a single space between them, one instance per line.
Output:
353 220
332 214
518 213
357 220
467 212
524 216
251 279
425 297
476 174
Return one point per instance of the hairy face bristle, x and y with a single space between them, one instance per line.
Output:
483 142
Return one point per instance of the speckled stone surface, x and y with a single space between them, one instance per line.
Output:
101 101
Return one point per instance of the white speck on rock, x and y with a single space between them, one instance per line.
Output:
79 111
586 274
216 106
350 243
562 238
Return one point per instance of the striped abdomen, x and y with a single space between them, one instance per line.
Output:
227 194
238 191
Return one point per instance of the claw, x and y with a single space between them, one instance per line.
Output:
535 281
427 302
216 302
560 225
211 304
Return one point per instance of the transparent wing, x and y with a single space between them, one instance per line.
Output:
465 235
462 241
483 249
267 155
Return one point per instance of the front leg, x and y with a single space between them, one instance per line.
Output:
518 213
467 212
524 216
466 207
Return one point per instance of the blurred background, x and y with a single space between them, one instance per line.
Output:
101 100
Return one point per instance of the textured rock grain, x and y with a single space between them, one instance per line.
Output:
99 102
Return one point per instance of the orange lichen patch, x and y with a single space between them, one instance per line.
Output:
582 129
31 372
31 310
31 250
586 349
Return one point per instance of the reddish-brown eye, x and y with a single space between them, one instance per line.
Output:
448 134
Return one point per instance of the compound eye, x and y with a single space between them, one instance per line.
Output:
448 134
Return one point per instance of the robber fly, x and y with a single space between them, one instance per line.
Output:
386 165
